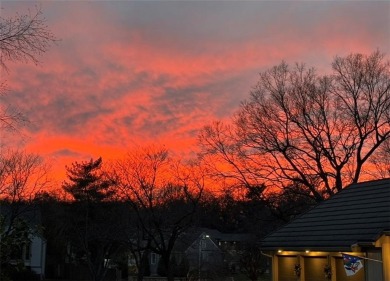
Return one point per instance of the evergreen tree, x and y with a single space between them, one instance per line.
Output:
96 224
87 182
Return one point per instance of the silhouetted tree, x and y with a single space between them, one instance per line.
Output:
301 128
21 176
138 246
23 38
277 207
13 237
164 197
252 262
88 182
55 228
381 161
96 226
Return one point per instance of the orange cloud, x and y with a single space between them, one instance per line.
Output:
133 73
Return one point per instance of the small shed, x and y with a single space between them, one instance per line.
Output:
353 223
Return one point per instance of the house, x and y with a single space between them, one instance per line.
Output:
34 254
18 222
205 252
204 255
355 221
195 254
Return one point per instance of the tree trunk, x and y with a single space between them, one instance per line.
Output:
168 268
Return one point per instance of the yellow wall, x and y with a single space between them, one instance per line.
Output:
374 268
286 268
384 243
312 265
314 268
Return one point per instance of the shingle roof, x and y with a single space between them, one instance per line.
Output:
359 213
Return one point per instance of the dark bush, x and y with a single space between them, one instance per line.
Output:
17 274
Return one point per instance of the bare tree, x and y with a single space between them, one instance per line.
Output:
23 38
162 196
22 175
224 159
381 161
10 117
300 128
252 262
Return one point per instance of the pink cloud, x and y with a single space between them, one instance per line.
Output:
128 74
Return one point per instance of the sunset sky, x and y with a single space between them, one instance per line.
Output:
128 74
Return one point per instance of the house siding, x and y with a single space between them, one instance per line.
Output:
312 266
286 268
373 268
38 255
356 221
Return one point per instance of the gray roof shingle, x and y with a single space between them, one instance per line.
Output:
359 213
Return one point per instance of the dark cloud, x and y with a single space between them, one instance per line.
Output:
138 71
66 153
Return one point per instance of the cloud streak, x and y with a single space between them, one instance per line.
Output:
133 73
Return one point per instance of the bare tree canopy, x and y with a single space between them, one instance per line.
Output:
24 37
381 161
163 196
22 175
10 117
300 128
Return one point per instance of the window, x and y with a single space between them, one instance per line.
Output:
153 258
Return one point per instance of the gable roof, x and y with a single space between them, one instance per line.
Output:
193 236
360 213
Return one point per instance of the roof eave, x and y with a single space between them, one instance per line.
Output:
311 249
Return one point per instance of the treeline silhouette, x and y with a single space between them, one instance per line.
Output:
109 219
